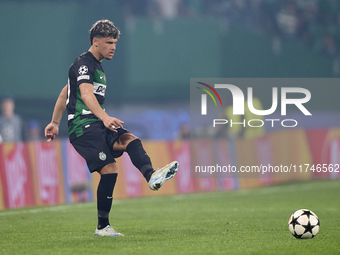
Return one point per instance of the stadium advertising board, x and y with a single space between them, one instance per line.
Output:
15 171
47 172
325 148
77 177
132 180
180 150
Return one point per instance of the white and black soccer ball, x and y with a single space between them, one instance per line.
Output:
304 224
83 70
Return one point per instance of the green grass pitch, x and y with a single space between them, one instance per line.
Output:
239 222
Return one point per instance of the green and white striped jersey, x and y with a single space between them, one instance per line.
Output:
85 69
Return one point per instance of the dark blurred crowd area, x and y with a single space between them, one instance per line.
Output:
315 22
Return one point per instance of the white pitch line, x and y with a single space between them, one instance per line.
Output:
256 192
46 209
18 211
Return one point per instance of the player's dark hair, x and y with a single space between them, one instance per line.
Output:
103 28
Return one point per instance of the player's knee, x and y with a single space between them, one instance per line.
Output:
131 137
123 141
109 169
127 138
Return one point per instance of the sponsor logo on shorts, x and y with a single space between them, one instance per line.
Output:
102 156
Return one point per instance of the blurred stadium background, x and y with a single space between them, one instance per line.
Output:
163 44
158 52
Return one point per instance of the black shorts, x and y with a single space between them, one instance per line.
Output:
96 145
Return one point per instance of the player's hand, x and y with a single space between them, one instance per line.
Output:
113 123
51 131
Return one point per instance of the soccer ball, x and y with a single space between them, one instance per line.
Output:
304 224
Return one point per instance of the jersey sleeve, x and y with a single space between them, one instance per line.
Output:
84 72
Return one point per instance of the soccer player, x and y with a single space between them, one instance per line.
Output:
96 136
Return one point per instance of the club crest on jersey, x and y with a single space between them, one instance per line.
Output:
83 70
102 156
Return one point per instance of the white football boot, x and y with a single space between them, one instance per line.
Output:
161 175
107 231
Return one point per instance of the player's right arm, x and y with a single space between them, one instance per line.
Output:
52 129
90 100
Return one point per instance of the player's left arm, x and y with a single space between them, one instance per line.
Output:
52 129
